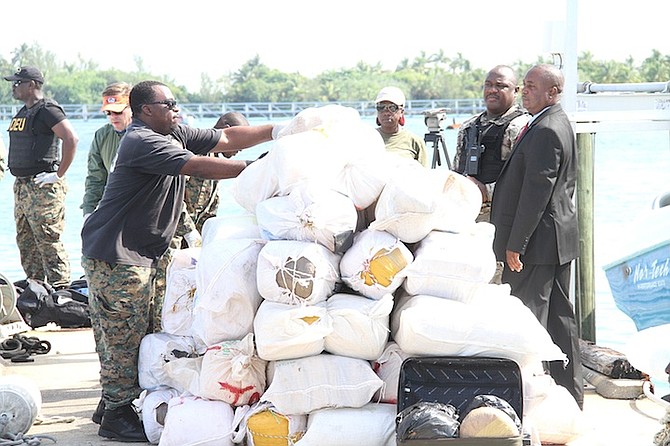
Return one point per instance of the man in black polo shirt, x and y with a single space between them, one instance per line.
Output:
132 227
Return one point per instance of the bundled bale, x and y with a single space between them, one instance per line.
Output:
309 213
177 311
192 421
286 331
296 273
227 296
314 117
154 410
360 325
301 386
328 145
375 264
417 201
263 425
543 401
505 328
387 367
232 372
370 425
157 351
230 226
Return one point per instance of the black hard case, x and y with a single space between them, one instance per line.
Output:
456 380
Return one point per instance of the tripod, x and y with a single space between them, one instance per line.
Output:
436 138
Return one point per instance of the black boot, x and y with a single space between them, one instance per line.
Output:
122 424
97 415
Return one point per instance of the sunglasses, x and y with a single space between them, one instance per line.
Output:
109 112
17 83
170 104
390 107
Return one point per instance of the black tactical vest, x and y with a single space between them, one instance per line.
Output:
491 137
32 152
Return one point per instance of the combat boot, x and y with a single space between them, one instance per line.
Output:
122 424
99 411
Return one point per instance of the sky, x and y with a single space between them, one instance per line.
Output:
185 39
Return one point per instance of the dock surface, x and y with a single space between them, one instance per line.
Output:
68 380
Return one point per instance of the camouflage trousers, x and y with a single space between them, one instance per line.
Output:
485 216
201 198
120 298
161 287
39 214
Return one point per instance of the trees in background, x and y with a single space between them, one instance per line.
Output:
427 76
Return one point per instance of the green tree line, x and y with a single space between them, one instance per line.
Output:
427 76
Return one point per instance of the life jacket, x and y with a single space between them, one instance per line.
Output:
491 137
32 152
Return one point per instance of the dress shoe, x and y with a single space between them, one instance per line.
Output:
122 424
97 415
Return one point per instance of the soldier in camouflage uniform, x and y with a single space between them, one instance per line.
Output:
492 133
485 141
131 229
35 137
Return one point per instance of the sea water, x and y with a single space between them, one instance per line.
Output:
631 169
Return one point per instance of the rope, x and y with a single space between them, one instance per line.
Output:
21 440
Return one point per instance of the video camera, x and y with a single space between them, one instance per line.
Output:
434 119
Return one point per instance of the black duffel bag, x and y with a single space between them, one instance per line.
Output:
40 304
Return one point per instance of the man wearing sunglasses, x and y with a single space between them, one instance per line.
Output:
390 104
105 143
42 145
131 229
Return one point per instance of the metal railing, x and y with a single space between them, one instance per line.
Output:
270 110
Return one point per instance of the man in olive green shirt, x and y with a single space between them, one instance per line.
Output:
390 104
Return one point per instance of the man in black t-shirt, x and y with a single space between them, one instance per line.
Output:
131 229
39 162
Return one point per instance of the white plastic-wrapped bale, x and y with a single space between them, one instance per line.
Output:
360 325
232 372
416 201
314 117
157 350
433 326
177 311
192 421
154 410
375 264
370 425
311 212
286 331
263 425
387 367
296 272
230 226
226 292
301 386
449 264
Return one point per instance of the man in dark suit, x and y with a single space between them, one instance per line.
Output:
537 235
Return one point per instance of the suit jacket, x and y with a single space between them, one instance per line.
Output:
532 209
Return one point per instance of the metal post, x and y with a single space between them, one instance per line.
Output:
585 272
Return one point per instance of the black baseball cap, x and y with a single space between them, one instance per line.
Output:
26 74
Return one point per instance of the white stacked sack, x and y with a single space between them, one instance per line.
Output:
320 293
453 265
375 264
227 295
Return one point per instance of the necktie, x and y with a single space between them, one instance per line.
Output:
523 130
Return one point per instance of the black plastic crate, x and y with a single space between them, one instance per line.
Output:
456 380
